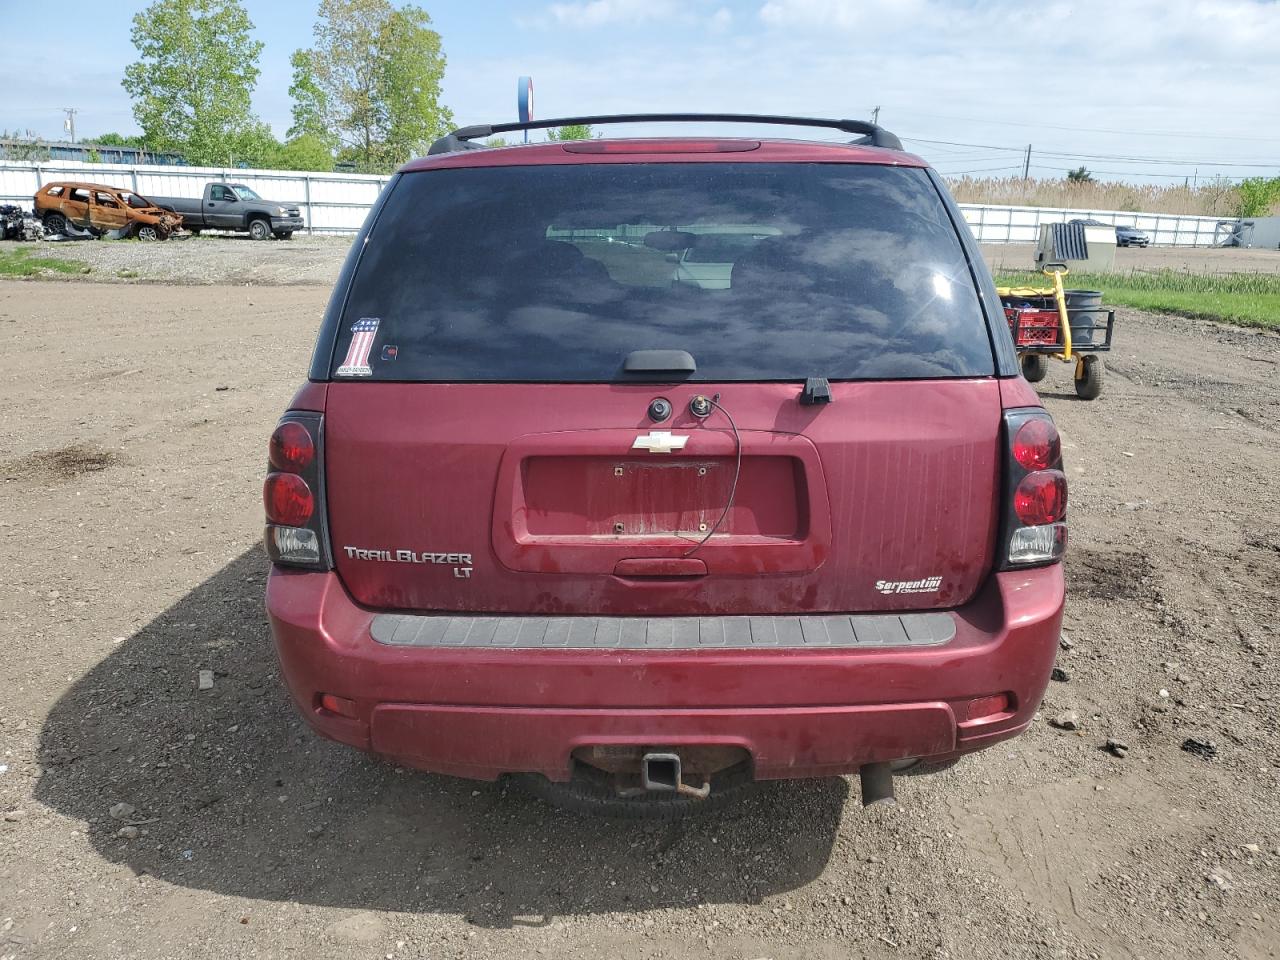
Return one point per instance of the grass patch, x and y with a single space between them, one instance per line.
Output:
1249 299
19 262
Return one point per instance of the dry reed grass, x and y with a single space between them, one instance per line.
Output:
1216 198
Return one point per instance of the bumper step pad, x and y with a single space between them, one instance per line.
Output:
665 633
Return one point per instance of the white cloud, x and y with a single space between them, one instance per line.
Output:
841 14
600 13
595 13
981 73
1084 30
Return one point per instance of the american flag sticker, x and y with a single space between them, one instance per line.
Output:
363 332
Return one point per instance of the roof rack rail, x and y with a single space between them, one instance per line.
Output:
869 133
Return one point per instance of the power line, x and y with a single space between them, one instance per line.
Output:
973 160
1275 164
1103 156
976 156
955 143
1127 133
964 173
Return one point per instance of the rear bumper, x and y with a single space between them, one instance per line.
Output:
483 712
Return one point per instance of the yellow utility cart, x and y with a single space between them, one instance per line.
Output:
1067 325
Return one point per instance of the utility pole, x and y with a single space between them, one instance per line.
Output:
1026 164
875 114
69 124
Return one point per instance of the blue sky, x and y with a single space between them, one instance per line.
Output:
1194 84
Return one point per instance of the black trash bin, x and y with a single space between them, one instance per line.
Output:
1087 318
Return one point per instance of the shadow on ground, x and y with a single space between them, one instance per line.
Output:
233 794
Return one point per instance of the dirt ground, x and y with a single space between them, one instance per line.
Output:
132 445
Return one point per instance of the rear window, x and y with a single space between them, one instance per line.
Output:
759 271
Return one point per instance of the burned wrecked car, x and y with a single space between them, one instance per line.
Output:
17 224
95 210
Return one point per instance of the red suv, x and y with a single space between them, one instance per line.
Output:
646 468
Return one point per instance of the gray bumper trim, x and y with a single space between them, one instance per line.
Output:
665 633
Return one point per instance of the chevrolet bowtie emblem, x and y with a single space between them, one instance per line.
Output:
660 441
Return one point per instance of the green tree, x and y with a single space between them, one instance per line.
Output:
307 152
497 142
193 81
254 146
379 69
118 140
310 105
1079 175
1256 196
412 67
572 131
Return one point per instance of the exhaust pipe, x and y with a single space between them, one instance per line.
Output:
877 783
660 772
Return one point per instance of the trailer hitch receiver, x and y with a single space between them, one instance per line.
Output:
660 772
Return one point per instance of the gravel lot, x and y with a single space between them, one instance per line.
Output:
209 258
131 517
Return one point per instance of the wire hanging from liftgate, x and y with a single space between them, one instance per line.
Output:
737 471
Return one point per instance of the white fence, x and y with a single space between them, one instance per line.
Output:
1022 224
338 202
330 202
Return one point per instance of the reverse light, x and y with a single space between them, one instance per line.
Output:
295 545
287 499
1041 544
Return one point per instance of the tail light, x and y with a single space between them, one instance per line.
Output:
1034 531
291 447
297 533
288 499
